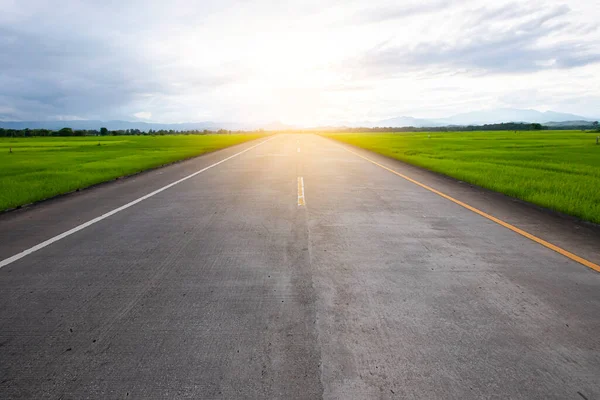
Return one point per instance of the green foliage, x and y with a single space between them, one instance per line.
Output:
536 127
504 126
559 170
39 168
65 132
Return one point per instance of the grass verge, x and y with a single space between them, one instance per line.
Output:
559 170
42 167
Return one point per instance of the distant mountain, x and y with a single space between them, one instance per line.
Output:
409 121
482 117
495 116
110 125
509 115
393 122
143 126
569 123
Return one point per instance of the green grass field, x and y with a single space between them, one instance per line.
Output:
559 170
39 168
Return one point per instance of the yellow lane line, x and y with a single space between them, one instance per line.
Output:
301 201
513 228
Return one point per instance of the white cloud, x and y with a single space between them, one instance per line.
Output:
66 118
143 115
300 62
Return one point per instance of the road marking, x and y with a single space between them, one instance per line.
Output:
298 149
63 235
301 200
513 228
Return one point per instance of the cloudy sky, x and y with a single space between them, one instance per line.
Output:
302 62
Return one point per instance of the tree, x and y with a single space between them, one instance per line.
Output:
103 131
536 127
65 132
595 125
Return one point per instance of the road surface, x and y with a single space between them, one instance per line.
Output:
295 270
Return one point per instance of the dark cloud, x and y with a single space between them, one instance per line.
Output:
86 59
515 47
60 73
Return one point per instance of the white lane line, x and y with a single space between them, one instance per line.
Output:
301 200
63 235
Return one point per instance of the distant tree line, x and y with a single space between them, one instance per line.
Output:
508 126
68 132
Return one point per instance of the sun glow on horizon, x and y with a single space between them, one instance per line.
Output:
303 63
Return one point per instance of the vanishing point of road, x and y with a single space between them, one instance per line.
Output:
293 268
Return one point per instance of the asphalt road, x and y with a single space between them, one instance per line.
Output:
223 286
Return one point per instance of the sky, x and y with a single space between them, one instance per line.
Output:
299 62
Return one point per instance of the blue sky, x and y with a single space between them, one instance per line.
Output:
302 62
